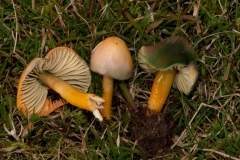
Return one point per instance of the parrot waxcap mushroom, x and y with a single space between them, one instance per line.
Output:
63 71
174 60
112 59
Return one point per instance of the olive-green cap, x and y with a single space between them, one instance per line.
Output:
173 52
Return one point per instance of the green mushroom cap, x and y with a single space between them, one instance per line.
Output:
173 52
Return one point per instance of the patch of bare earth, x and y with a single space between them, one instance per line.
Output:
153 133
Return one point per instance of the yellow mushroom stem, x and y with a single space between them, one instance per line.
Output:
71 94
160 89
107 96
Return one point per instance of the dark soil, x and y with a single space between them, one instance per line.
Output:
153 132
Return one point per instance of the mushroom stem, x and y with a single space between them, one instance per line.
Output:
128 97
107 96
73 95
160 89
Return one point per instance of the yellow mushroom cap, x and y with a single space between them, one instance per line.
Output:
62 62
111 57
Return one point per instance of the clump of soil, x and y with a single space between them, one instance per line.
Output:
153 132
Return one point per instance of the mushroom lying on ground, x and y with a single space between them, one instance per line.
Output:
174 60
112 59
63 71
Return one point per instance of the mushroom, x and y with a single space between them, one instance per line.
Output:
174 60
63 71
112 59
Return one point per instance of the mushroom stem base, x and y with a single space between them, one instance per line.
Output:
160 89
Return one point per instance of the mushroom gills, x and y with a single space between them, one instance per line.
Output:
186 78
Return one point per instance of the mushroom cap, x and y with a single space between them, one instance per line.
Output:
62 62
111 57
173 52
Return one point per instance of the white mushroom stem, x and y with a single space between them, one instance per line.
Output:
107 96
73 95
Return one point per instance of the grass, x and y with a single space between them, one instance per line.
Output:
206 123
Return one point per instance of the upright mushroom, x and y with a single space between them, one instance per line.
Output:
112 59
63 71
174 60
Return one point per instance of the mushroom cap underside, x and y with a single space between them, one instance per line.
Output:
62 62
171 52
186 78
111 57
